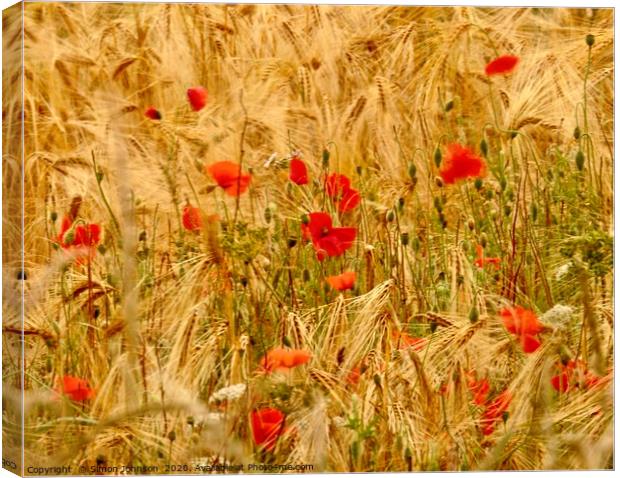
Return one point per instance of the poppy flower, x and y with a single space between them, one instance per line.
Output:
524 325
461 163
495 411
282 360
501 64
338 187
192 221
481 261
353 377
267 426
229 177
328 241
152 113
479 388
573 375
299 172
197 97
80 240
76 389
405 341
344 281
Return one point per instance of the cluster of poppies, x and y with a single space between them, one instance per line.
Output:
573 375
524 325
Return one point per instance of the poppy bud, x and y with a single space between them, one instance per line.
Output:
292 241
404 239
449 105
172 435
484 147
355 450
433 327
408 454
577 132
377 380
101 249
473 315
471 224
507 209
505 417
99 175
483 240
54 216
325 158
478 184
437 157
68 239
267 214
305 275
305 219
401 203
412 170
534 212
243 280
438 182
359 170
580 160
286 341
502 183
390 216
564 356
590 40
96 312
142 236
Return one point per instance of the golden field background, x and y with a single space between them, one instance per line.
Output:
181 317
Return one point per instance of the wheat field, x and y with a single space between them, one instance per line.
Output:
199 313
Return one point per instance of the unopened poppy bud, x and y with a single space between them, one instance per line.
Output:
359 170
325 158
243 280
286 341
267 214
390 216
404 239
589 40
68 239
142 236
401 203
437 157
101 248
408 454
99 175
478 184
510 194
505 416
376 379
484 147
564 356
580 160
449 105
507 209
534 212
483 240
502 183
489 194
172 435
412 170
438 182
433 327
471 224
473 315
305 275
305 219
577 132
54 216
292 242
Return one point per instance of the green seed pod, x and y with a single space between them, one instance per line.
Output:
142 236
590 40
376 379
325 158
478 184
305 219
408 454
54 216
172 435
484 147
437 157
507 210
101 248
510 194
286 341
412 170
68 239
404 239
401 203
390 216
489 194
580 159
449 105
577 132
474 315
471 224
505 416
502 183
359 170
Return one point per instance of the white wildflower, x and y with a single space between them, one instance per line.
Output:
232 392
562 271
558 315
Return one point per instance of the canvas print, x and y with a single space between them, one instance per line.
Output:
252 238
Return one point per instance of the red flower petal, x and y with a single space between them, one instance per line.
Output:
197 97
229 177
344 281
529 343
76 388
152 113
337 184
192 221
501 64
350 200
461 163
267 426
299 172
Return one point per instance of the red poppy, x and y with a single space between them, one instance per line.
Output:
524 325
481 261
572 375
192 221
267 426
338 187
152 113
228 176
460 163
344 281
328 241
197 97
79 240
76 389
479 388
502 64
405 341
495 411
282 360
299 172
354 375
